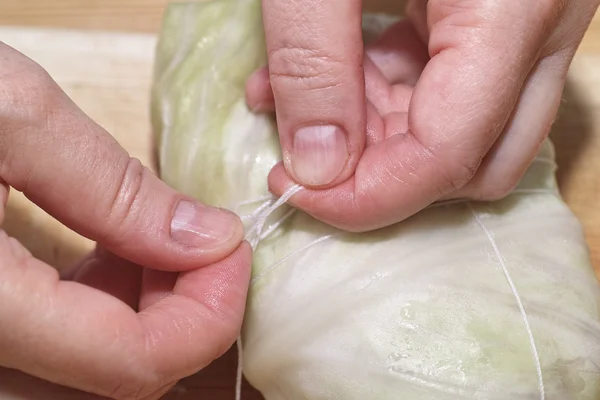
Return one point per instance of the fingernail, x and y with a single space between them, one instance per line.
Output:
196 225
319 154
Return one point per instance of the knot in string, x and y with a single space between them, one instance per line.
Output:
258 218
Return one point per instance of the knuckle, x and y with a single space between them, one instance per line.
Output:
131 391
454 163
458 174
12 163
28 96
305 68
27 90
122 207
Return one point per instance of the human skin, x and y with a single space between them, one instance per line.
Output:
452 102
163 294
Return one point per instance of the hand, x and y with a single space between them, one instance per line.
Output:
453 102
115 329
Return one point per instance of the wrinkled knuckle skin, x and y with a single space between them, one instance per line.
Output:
137 390
27 90
459 174
27 96
122 208
304 68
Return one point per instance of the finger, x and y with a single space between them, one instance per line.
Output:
399 54
385 97
77 172
387 107
315 66
113 275
508 160
512 154
73 335
460 105
259 93
221 291
156 285
378 90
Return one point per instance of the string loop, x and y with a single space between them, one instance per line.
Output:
255 234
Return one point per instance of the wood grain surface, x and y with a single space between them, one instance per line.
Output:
116 15
104 63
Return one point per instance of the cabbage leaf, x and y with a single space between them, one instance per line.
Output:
464 300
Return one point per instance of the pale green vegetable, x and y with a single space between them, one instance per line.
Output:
205 55
421 310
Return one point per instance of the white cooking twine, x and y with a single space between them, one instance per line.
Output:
254 236
269 204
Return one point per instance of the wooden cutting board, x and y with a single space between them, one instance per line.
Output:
108 75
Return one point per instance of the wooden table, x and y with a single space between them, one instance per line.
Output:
115 93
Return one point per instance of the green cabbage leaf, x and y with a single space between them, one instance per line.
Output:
464 300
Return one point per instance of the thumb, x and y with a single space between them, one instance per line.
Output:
315 69
72 168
